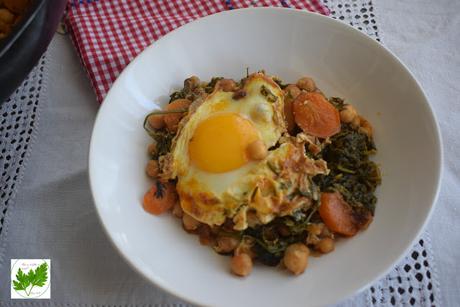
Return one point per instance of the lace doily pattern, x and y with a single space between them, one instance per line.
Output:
411 283
18 119
358 13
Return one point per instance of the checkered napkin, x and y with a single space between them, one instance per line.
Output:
108 34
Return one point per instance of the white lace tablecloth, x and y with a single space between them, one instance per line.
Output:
47 210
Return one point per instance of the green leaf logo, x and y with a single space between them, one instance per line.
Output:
33 278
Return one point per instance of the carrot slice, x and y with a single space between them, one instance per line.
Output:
172 120
160 198
337 214
315 115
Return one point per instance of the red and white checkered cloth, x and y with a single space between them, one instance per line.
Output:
108 34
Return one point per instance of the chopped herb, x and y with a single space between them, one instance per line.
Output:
160 192
162 138
177 95
268 94
285 185
209 88
273 168
299 216
345 170
337 102
313 211
280 83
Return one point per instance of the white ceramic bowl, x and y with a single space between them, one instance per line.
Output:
289 44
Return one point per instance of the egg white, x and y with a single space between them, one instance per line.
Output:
267 118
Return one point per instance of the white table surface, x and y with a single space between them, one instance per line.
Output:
425 34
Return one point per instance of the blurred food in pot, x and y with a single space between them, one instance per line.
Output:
11 11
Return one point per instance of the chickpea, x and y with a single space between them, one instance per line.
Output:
205 235
296 258
366 127
292 91
227 85
226 244
245 247
366 221
366 131
189 222
312 239
356 122
172 120
307 84
327 233
192 82
348 113
152 149
6 16
241 264
325 246
198 92
152 169
156 121
256 150
177 210
315 229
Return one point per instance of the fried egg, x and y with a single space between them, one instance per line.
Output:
209 153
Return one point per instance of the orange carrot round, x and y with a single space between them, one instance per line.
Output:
337 214
160 197
172 120
315 115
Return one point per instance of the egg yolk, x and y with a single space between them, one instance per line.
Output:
219 142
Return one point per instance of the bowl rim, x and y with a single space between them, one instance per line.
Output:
439 149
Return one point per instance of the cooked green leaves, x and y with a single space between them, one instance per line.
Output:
352 173
163 139
272 239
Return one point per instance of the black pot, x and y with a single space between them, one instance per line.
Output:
21 50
